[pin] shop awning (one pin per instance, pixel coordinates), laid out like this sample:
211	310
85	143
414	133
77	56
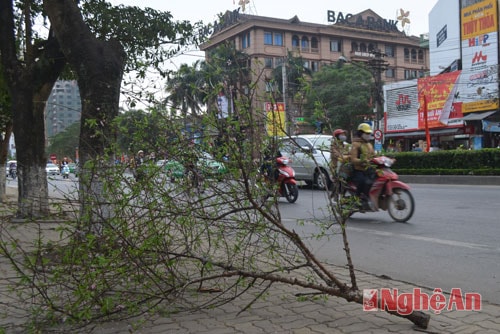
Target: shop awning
422	133
477	116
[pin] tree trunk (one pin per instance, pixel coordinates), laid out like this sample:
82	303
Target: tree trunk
99	66
4	150
30	81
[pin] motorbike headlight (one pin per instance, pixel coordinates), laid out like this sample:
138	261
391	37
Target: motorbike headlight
388	162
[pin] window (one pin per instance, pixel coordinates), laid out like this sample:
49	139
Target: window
273	38
314	66
335	45
304	43
278	62
413	55
354	46
295	42
407	54
371	47
410	74
420	56
390	73
269	86
268	62
306	64
245	40
314	45
268	38
389	51
362	47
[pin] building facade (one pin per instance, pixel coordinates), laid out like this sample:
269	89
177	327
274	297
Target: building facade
349	37
63	107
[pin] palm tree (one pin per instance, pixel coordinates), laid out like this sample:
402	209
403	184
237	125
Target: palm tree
185	90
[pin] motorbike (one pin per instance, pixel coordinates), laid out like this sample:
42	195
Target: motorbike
387	192
65	172
13	173
285	179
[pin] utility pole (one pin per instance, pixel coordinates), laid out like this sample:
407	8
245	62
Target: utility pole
284	79
377	65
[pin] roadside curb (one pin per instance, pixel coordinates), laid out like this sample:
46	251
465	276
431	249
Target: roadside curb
486	180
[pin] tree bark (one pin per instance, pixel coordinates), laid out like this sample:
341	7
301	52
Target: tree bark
99	66
30	80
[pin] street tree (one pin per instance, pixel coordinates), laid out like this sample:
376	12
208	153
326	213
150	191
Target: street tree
185	89
31	65
66	142
149	37
339	96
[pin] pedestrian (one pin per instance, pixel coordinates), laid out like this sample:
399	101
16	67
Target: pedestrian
360	156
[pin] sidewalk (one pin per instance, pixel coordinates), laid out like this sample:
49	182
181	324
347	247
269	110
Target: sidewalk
281	313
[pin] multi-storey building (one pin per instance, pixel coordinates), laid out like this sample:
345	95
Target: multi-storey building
348	37
63	107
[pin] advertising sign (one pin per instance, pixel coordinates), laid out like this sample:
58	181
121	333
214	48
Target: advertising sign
440	93
276	118
401	107
479	35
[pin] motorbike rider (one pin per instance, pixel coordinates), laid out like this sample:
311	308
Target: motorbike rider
360	155
136	164
339	149
268	166
13	170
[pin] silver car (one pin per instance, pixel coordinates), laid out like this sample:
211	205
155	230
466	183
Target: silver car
310	156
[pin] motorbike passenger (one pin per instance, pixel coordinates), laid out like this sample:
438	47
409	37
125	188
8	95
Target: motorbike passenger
339	150
360	155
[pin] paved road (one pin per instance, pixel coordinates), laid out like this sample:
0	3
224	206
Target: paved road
451	241
282	313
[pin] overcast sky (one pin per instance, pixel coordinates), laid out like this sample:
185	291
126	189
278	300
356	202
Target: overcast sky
314	11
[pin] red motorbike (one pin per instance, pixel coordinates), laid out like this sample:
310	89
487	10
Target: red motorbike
386	193
284	178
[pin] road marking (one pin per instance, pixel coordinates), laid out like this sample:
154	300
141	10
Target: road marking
428	239
414	237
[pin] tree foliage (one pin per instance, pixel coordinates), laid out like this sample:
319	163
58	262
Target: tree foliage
66	142
340	96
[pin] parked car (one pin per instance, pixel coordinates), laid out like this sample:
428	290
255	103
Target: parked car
310	155
52	169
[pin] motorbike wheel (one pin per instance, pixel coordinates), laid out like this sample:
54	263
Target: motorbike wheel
401	205
291	192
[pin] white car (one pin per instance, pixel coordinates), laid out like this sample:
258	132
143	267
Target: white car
52	169
310	155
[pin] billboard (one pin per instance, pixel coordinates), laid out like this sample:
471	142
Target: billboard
478	86
444	35
276	118
401	105
440	93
